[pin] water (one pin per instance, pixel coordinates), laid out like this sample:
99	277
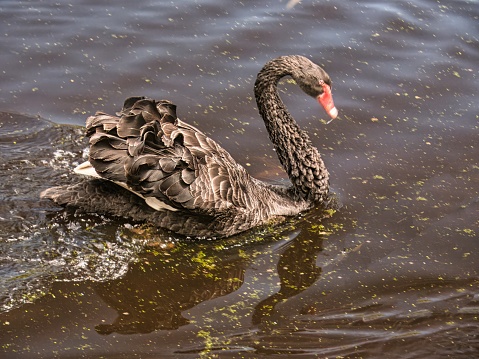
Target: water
393	273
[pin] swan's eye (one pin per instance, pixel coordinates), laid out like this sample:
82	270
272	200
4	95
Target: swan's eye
327	82
324	86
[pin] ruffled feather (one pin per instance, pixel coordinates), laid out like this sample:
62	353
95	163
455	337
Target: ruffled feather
154	154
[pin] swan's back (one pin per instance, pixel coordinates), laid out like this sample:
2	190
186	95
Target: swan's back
150	151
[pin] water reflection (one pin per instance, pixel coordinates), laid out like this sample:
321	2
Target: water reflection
163	284
297	271
156	290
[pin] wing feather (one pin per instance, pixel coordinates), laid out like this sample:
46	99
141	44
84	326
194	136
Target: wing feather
156	155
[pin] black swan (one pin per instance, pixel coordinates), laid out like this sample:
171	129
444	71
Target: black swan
190	184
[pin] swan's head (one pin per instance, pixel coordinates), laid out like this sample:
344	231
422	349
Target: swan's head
315	82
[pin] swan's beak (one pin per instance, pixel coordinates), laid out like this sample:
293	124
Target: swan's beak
326	100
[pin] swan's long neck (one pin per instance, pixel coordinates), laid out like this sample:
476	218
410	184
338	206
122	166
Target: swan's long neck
298	156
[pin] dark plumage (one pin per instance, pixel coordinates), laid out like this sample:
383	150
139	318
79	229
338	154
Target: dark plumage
191	184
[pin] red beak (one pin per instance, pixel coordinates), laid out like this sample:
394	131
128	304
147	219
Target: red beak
326	100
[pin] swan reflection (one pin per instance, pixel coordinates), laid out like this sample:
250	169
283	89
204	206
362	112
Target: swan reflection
158	288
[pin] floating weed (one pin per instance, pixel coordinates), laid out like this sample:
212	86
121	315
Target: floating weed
206	335
206	262
324	230
329	212
320	229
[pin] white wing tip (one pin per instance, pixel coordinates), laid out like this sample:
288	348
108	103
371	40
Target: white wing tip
86	169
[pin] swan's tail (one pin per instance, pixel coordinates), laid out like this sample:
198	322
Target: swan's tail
61	195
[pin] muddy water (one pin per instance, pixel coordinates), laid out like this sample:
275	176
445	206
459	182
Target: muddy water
393	273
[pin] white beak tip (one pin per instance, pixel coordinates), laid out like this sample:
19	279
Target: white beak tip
333	113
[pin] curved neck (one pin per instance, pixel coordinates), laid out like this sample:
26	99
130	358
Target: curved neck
300	159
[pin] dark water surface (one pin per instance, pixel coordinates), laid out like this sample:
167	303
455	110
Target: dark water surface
393	274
